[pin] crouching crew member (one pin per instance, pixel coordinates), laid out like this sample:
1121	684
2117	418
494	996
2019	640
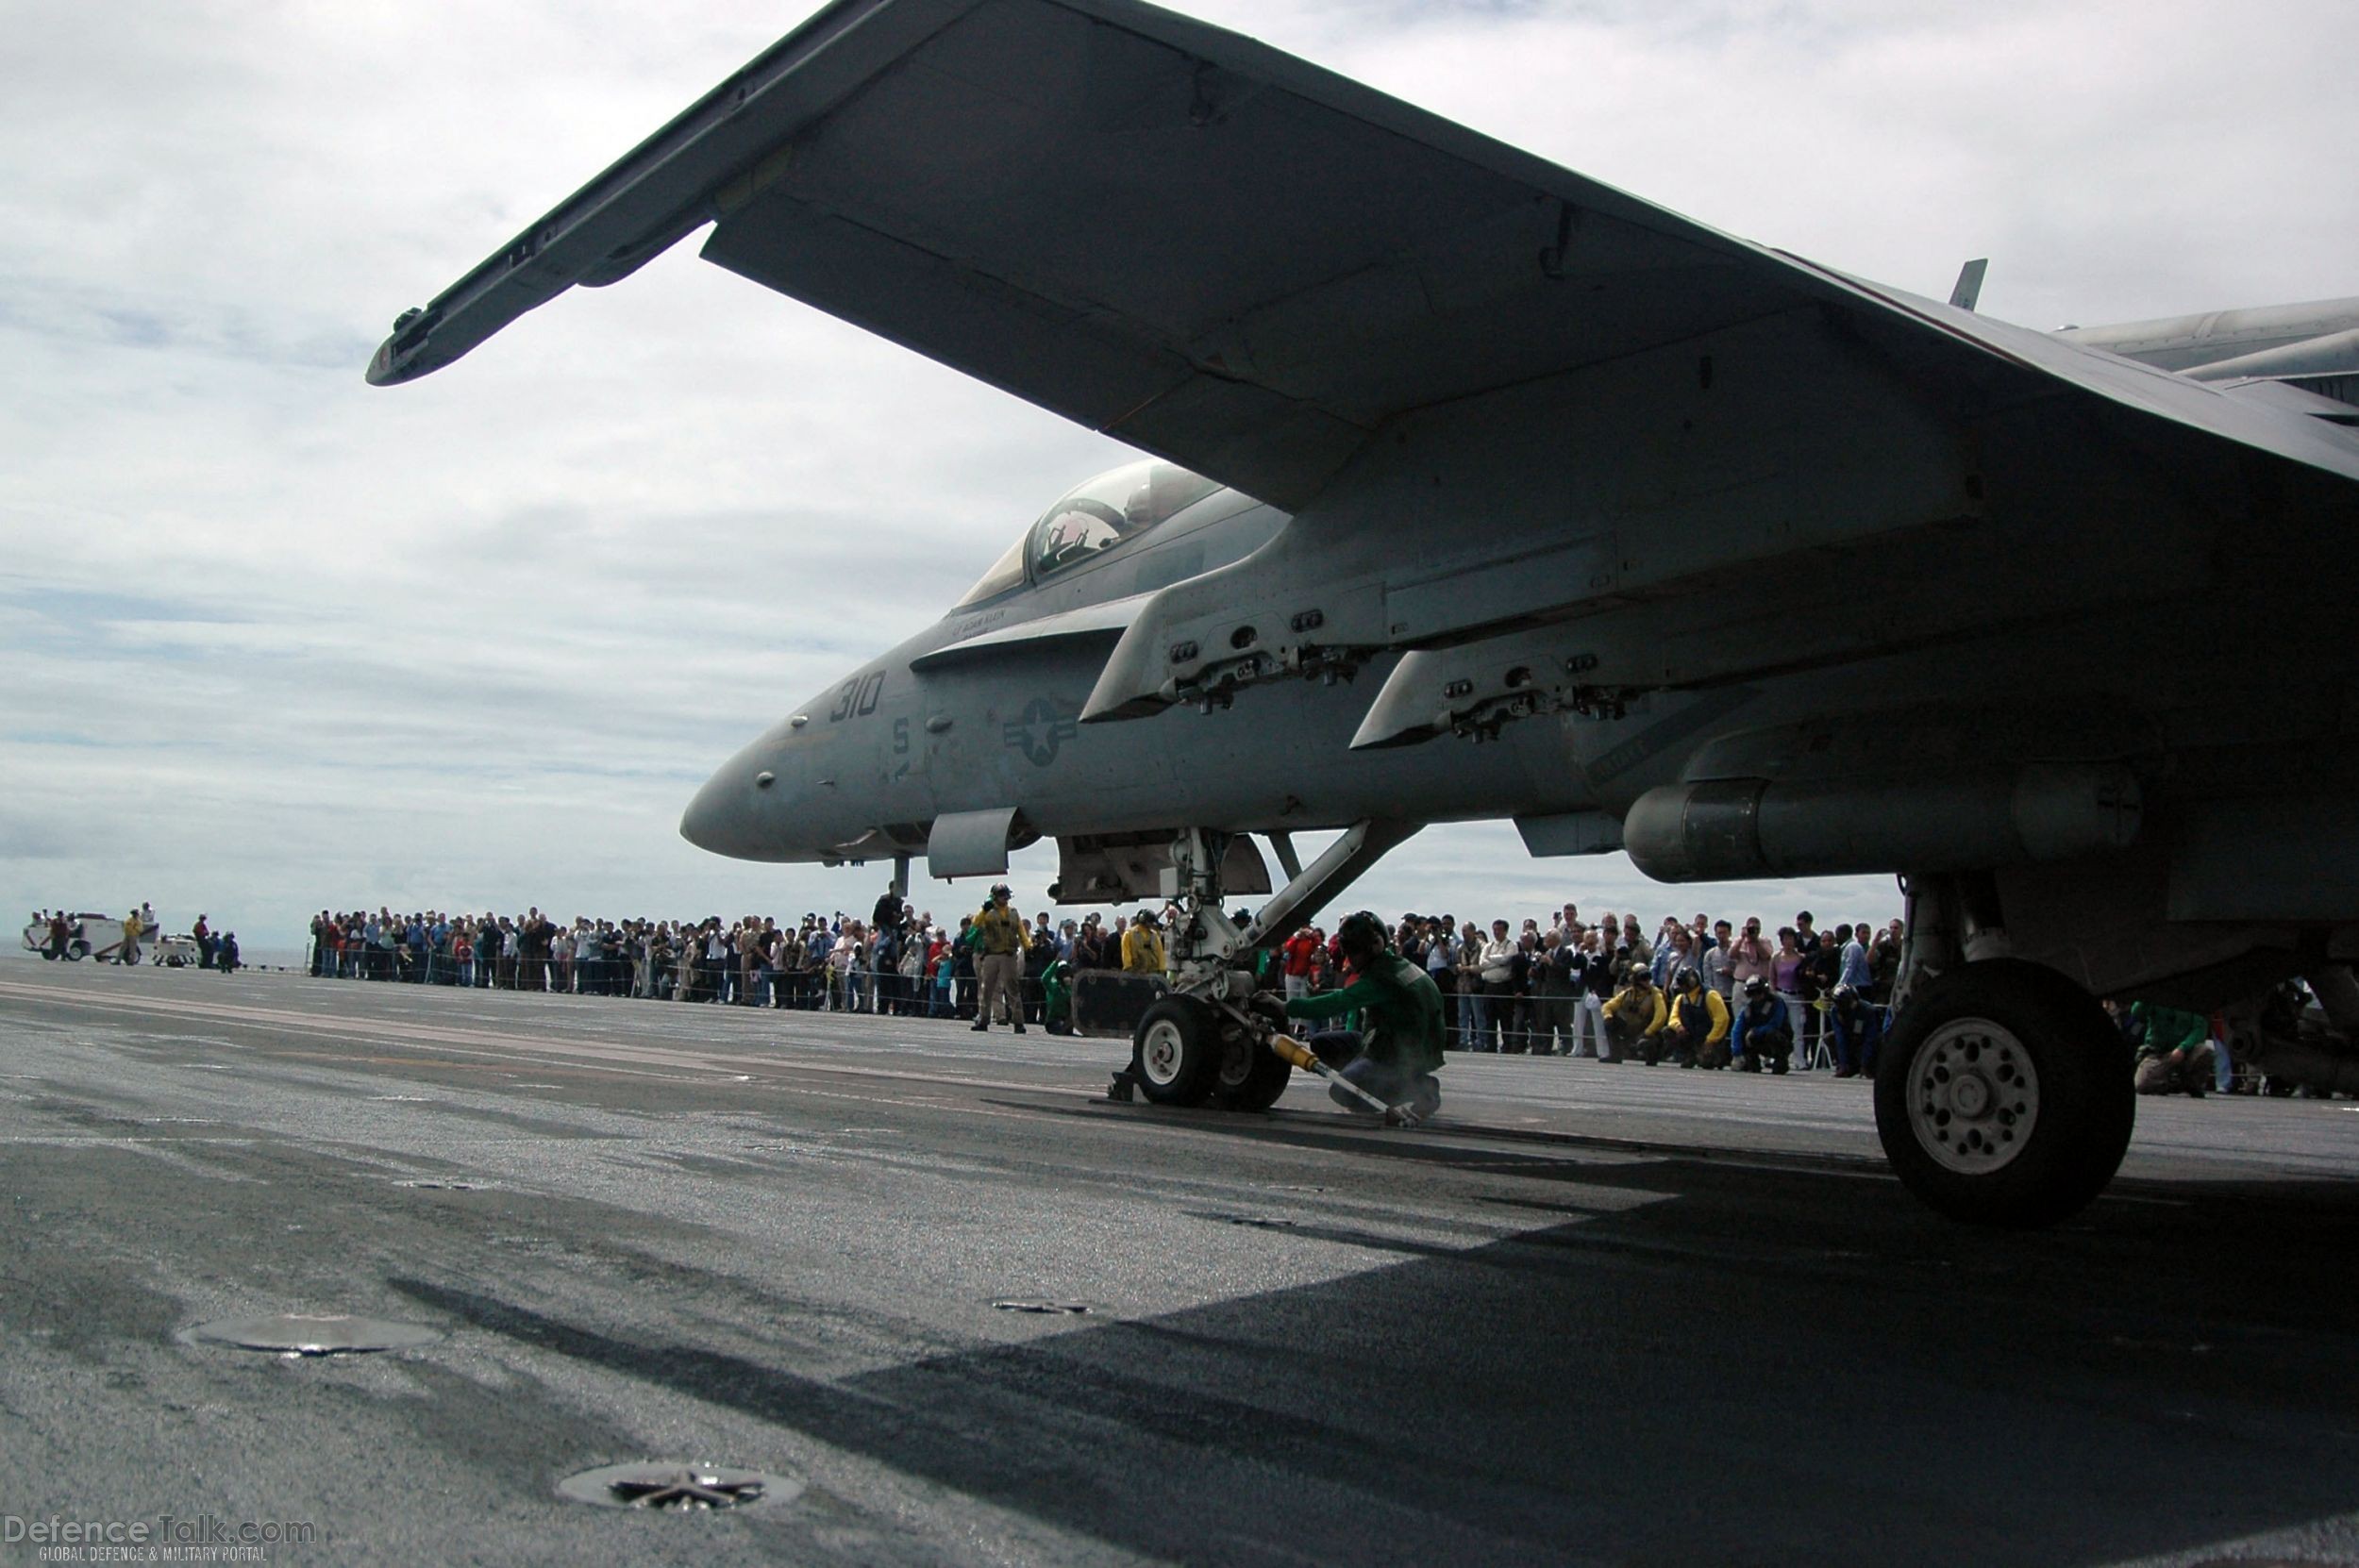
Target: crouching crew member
2175	1056
1634	1018
1856	1027
1056	991
1763	1032
1397	1048
1698	1027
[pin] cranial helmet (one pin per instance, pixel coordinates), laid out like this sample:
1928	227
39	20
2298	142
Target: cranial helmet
1756	987
1362	933
1686	979
1845	994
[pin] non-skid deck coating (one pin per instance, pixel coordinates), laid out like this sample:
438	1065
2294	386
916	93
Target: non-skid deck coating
1595	1315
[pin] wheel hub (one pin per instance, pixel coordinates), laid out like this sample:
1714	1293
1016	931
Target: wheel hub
1236	1061
1160	1051
1973	1095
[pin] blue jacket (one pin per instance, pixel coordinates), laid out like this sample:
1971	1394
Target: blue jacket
1861	1033
1747	1024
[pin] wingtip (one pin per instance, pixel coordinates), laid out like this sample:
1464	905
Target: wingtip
382	371
401	357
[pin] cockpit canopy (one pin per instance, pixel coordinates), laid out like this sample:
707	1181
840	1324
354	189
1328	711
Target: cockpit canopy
1090	518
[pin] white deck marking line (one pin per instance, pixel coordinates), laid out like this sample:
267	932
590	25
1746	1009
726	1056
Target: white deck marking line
598	1051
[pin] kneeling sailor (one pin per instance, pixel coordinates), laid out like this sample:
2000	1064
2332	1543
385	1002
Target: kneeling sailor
1397	1048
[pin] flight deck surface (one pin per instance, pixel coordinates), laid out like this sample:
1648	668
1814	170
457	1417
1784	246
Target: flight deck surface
1594	1314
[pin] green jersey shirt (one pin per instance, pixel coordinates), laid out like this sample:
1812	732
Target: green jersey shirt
1401	1011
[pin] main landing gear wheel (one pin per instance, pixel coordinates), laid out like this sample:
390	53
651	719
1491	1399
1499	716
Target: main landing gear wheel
2003	1096
1251	1074
1175	1052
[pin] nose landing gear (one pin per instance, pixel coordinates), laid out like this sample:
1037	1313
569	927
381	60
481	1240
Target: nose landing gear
1201	1042
1187	1051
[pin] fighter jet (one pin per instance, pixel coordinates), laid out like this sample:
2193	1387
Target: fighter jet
1481	488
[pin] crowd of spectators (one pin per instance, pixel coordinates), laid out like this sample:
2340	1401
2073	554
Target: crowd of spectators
900	960
1703	993
1552	986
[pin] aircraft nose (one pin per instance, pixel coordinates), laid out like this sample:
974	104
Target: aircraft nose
725	815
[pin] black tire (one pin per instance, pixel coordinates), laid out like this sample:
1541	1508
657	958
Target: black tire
2003	1095
1251	1076
77	951
1176	1051
50	955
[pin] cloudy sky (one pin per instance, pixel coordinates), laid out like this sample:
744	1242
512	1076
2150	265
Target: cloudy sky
276	640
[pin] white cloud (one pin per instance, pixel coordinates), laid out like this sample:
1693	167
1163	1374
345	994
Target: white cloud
277	638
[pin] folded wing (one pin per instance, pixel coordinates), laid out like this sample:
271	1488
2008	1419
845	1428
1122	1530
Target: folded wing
1162	230
1212	250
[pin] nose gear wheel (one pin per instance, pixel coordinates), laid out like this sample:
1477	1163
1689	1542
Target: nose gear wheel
1252	1077
1176	1053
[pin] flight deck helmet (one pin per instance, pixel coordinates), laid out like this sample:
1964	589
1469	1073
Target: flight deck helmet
1362	937
1756	988
1844	996
1686	977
